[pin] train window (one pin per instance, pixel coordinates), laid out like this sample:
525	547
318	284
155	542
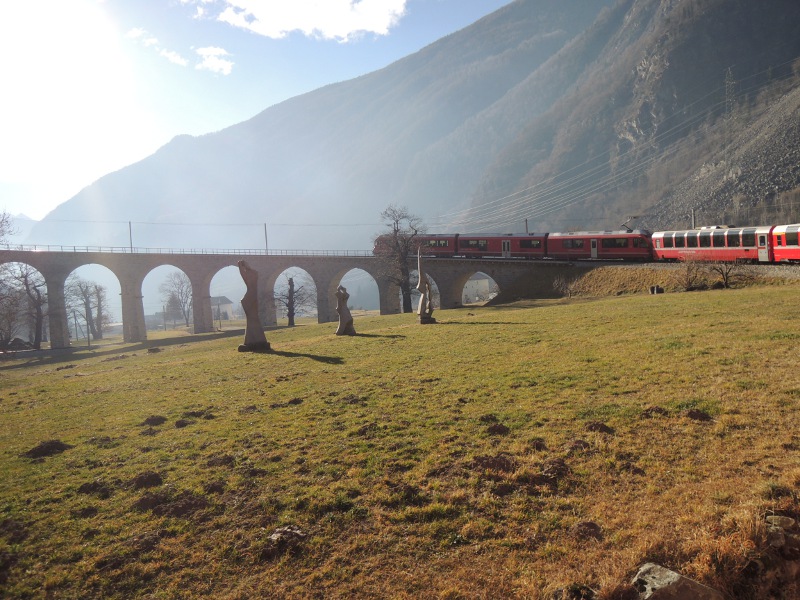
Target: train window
530	243
780	240
719	239
639	243
705	239
679	241
614	242
573	243
437	243
668	241
791	238
749	239
475	244
691	240
733	238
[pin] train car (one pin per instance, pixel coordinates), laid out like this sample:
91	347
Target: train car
601	245
784	243
506	245
716	243
438	244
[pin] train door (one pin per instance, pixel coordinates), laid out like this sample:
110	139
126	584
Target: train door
506	248
594	248
763	250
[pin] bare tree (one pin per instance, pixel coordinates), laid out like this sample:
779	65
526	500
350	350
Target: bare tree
396	246
173	309
725	270
566	286
296	294
178	286
31	282
88	298
689	276
12	301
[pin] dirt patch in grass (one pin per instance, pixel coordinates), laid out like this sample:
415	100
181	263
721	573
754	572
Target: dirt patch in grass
48	448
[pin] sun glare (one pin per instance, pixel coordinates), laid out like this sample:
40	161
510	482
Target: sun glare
71	113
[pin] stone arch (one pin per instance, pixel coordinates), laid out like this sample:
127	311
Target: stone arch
157	316
479	288
227	284
91	273
362	287
307	293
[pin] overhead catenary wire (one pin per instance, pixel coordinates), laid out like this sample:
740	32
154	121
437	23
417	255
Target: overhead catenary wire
558	192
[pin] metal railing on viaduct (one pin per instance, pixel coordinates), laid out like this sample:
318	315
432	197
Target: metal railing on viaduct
326	268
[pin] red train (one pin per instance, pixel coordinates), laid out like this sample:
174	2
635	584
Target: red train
765	244
601	245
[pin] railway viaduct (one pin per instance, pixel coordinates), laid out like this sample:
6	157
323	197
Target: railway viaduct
515	278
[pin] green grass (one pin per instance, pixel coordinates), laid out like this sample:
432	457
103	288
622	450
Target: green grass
449	460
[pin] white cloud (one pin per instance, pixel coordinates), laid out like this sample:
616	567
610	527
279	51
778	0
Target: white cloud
135	33
174	57
340	20
148	41
213	59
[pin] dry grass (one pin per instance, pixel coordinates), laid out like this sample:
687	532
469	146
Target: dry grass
504	452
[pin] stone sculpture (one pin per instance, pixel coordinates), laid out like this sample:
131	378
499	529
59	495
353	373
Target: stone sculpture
345	318
254	338
425	308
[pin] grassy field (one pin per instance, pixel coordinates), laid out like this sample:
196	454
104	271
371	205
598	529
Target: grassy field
504	452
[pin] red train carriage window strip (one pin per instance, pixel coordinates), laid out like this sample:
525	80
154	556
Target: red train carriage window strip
475	244
614	242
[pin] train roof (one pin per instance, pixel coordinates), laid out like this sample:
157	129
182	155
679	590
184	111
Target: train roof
709	230
792	227
505	235
598	233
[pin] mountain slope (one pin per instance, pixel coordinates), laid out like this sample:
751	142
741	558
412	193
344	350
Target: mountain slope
657	87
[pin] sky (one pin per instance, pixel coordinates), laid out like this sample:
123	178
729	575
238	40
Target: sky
88	87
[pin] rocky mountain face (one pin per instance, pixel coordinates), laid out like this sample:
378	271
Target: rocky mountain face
569	113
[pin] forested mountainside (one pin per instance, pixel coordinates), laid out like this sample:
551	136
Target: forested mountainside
573	114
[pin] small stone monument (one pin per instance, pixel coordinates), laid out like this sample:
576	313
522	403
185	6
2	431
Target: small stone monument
345	318
254	338
425	308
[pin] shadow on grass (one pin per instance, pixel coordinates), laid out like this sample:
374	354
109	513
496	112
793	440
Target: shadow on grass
28	358
480	323
329	360
376	335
